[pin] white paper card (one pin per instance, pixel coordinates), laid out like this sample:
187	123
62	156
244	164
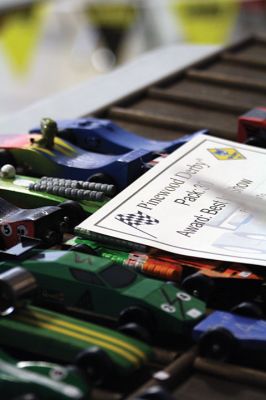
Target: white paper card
207	199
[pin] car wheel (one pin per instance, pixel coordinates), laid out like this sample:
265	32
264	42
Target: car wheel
16	285
248	309
6	158
198	285
256	141
96	363
2	243
218	344
155	393
74	212
139	316
136	331
7	298
83	248
52	237
101	178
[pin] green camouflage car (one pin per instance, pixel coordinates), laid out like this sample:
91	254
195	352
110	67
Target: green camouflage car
96	285
45	380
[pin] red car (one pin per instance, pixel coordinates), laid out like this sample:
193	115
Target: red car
45	223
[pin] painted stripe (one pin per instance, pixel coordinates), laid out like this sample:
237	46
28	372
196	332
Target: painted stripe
62	143
62	150
87	331
37	149
57	148
83	338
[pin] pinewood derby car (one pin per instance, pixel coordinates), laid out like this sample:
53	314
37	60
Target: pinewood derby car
252	127
36	155
104	136
100	352
94	285
229	336
43	380
47	223
58	337
209	280
27	191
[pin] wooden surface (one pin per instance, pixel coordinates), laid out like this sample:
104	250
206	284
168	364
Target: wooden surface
203	386
94	95
211	95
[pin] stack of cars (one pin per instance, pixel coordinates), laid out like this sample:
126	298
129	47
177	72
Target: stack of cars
95	313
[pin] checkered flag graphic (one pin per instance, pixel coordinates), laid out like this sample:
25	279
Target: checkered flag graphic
137	219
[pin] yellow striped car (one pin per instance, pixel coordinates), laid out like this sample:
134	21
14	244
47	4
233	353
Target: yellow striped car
64	338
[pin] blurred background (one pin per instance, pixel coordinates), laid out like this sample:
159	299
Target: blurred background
50	45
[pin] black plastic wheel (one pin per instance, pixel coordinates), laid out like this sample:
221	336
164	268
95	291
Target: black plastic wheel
96	363
52	237
74	212
2	243
137	315
7	299
101	178
83	248
6	158
136	331
16	285
256	141
155	393
198	285
248	309
218	344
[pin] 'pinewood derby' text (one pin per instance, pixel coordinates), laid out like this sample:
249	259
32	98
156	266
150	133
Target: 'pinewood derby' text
176	182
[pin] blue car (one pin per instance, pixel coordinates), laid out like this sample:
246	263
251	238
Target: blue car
106	137
54	156
228	336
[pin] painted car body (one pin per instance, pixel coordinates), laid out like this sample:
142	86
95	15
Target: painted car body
183	267
47	223
43	379
60	337
252	127
250	333
104	136
99	286
65	160
16	190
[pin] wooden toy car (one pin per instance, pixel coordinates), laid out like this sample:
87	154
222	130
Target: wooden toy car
97	286
45	380
98	350
252	127
228	336
67	339
104	136
47	223
64	160
210	280
217	282
26	191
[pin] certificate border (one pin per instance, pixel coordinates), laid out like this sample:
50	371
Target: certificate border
253	149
